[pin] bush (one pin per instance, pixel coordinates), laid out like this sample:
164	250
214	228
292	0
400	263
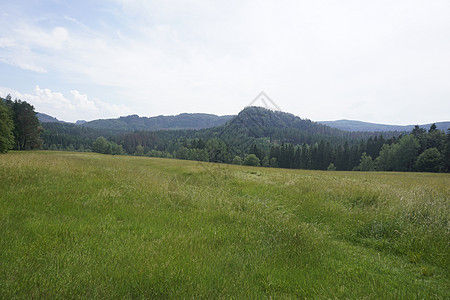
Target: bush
252	160
237	160
331	167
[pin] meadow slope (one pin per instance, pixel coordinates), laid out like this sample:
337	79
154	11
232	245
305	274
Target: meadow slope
82	225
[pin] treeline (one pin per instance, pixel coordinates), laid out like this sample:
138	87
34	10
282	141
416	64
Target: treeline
420	151
235	143
423	151
71	137
256	137
19	127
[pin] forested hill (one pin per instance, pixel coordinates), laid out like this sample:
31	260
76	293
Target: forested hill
181	121
351	125
280	127
258	121
44	118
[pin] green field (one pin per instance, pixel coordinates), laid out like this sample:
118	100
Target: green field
80	225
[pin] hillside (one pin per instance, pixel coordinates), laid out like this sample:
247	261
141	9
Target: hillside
83	225
44	118
181	121
257	122
351	125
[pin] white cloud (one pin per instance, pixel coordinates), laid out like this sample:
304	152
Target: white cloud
75	107
315	59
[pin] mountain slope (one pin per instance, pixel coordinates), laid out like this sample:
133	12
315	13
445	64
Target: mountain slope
181	121
259	122
259	125
351	125
44	118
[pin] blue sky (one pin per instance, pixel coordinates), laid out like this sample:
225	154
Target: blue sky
378	61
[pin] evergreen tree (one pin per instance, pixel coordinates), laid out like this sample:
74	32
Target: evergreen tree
354	157
331	167
265	162
6	128
275	153
314	157
297	158
446	159
433	127
217	151
366	163
273	162
26	125
304	157
140	151
346	158
327	155
258	152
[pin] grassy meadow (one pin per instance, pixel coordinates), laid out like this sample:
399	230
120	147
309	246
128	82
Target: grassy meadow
83	225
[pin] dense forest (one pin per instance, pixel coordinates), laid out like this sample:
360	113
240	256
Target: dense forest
136	123
19	127
256	136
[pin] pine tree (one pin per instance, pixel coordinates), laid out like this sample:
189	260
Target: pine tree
26	125
6	128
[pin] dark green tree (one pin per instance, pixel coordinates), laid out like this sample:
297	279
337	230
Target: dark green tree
257	151
265	162
26	125
140	151
429	161
407	153
101	145
304	157
331	167
6	128
116	149
297	158
433	127
366	163
384	161
217	151
446	152
273	162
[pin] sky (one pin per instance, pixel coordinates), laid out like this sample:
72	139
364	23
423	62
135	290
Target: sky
376	61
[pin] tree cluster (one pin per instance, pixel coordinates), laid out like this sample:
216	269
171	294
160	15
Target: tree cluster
19	127
420	151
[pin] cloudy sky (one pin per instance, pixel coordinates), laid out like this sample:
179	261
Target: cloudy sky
377	61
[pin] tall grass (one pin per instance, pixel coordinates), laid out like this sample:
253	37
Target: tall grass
80	225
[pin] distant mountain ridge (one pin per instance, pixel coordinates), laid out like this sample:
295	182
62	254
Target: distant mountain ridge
203	120
352	125
44	118
181	121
